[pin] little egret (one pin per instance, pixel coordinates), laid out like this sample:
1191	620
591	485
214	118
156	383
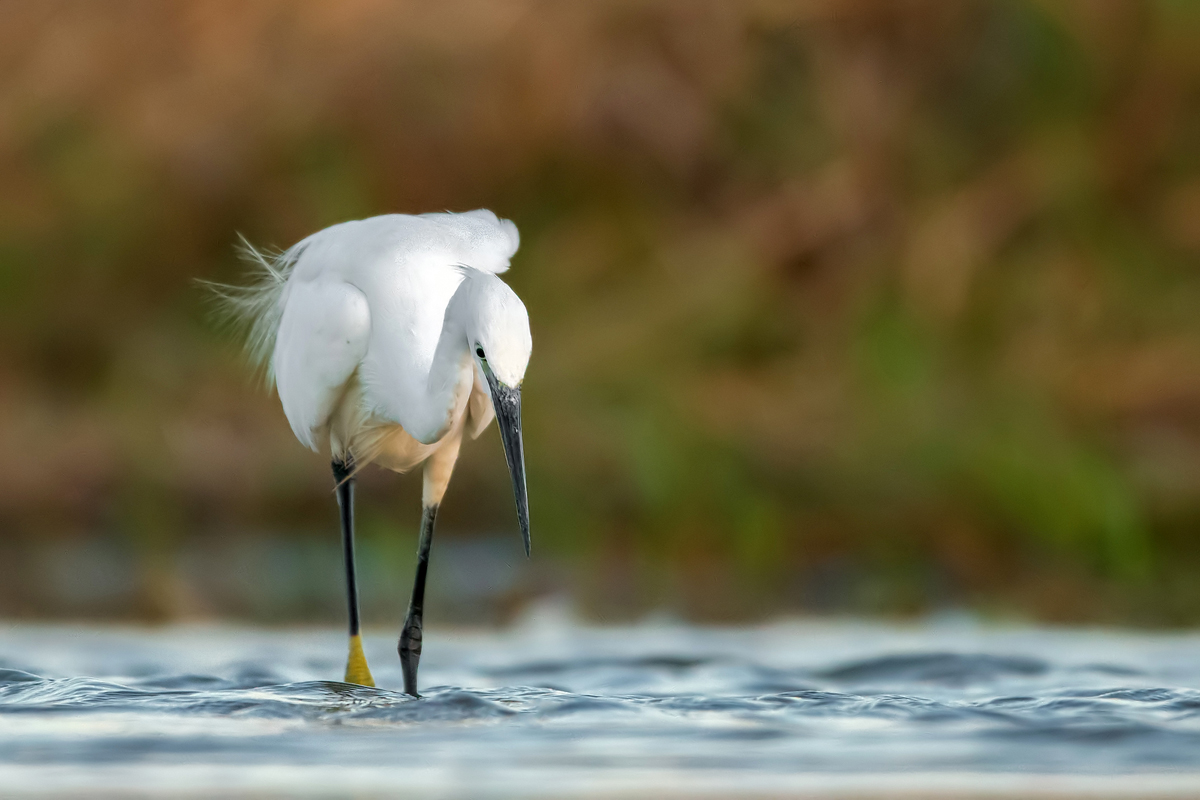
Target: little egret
388	338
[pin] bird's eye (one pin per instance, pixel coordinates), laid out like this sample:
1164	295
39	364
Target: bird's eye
479	351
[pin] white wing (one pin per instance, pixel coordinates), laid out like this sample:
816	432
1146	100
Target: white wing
322	338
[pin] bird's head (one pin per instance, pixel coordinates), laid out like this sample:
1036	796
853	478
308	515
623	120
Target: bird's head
497	329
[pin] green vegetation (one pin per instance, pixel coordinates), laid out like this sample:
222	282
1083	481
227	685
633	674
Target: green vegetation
860	307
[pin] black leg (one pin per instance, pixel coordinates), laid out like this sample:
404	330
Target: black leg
356	666
410	636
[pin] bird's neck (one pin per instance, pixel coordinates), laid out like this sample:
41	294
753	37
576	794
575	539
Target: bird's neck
450	368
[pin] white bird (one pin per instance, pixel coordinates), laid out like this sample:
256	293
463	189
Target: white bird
388	338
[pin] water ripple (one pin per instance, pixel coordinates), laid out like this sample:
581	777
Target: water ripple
760	706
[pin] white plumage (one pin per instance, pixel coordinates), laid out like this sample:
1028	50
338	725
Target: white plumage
388	339
352	317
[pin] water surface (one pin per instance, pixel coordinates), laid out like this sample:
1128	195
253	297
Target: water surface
554	709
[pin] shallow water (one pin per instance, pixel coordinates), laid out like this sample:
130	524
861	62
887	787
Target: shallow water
554	709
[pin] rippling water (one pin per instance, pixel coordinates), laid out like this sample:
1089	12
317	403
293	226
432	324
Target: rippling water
553	709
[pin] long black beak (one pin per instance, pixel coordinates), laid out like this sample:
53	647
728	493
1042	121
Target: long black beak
507	402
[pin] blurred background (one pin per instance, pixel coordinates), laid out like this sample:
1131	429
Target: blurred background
838	307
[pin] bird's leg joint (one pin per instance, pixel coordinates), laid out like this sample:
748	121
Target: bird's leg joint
410	651
410	639
343	469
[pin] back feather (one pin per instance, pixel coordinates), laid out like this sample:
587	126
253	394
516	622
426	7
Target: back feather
488	241
257	306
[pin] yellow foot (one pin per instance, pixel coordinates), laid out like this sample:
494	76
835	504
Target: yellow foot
357	670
